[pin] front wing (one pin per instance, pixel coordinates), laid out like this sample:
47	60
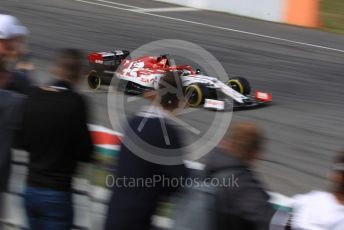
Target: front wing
225	102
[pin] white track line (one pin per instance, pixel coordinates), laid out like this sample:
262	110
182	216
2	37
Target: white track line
211	26
167	9
119	4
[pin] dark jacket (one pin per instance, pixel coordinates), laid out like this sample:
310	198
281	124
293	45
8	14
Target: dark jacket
132	208
243	205
10	107
20	82
55	133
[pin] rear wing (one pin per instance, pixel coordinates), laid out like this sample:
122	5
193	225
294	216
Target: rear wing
95	58
107	58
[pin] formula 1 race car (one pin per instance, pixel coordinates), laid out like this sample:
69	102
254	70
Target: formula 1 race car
143	73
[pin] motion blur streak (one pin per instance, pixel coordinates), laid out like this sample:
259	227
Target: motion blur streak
215	27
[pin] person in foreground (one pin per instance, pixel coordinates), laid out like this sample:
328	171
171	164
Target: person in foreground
132	207
55	133
244	205
319	210
10	111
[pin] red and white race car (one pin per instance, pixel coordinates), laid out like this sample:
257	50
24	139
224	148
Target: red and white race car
143	73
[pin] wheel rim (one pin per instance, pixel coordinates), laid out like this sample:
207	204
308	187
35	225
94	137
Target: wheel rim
195	95
236	85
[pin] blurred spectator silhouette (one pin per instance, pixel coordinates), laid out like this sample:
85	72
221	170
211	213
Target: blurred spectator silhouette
10	106
319	210
131	208
11	38
55	133
244	206
14	53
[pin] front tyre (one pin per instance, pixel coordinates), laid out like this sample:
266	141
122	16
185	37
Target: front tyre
194	95
240	84
94	80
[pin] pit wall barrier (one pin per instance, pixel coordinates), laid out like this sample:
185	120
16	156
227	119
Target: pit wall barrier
296	12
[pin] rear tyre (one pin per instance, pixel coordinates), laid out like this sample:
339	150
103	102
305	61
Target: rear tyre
194	94
240	84
94	80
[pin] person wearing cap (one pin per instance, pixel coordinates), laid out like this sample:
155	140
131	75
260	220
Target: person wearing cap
13	52
10	106
12	34
320	210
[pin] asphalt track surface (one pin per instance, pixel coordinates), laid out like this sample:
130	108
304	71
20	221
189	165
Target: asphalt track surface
303	68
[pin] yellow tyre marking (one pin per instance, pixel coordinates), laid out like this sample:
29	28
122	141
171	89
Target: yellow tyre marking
199	93
241	87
